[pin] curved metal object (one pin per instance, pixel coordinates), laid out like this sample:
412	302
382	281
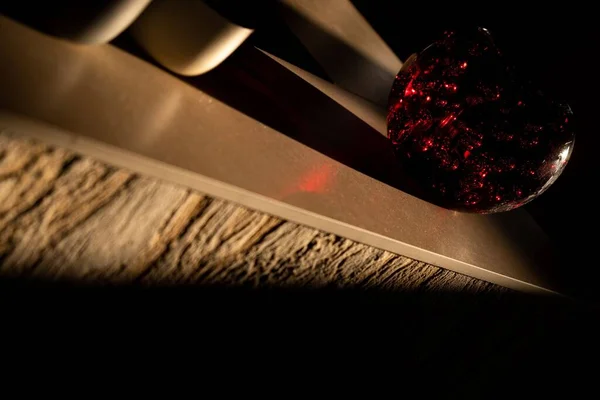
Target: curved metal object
346	45
87	22
112	106
187	37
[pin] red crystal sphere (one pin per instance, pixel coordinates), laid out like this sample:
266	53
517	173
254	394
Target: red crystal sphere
475	135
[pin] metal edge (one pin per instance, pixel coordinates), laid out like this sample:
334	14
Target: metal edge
19	126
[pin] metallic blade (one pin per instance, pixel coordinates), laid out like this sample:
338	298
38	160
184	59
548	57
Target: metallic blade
110	105
373	114
346	46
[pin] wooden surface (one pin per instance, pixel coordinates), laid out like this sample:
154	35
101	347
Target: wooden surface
71	218
137	117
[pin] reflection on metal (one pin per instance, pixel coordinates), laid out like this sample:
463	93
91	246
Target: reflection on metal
113	20
345	45
187	37
372	114
88	22
208	146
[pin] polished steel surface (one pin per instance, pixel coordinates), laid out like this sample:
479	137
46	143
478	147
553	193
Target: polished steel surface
87	22
187	37
111	21
108	104
372	114
361	63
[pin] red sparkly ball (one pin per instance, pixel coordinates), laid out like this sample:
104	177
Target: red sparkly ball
474	134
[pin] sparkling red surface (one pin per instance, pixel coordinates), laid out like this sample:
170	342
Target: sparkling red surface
474	134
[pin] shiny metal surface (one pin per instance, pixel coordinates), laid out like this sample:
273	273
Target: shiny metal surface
345	45
187	37
372	114
113	20
110	105
87	22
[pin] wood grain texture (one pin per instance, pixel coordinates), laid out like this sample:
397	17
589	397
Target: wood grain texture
65	217
162	255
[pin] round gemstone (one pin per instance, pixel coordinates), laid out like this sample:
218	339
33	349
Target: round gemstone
471	131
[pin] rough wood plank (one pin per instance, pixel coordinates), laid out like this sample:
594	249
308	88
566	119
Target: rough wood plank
64	217
68	218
